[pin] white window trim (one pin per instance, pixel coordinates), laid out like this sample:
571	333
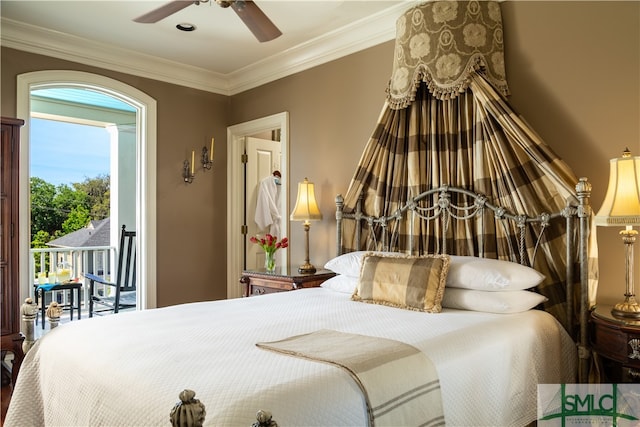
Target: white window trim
146	139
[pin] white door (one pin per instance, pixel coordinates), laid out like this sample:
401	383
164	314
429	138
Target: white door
236	200
263	158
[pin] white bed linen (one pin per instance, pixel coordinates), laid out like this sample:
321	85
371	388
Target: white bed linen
128	369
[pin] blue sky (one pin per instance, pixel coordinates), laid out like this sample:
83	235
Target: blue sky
64	153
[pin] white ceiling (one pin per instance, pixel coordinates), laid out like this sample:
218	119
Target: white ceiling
221	56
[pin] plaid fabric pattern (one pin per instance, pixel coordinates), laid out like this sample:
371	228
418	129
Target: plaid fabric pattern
414	283
477	142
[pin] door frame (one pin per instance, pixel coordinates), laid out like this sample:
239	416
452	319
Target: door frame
146	141
235	188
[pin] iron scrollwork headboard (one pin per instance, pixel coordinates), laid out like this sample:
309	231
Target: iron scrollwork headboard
445	210
440	207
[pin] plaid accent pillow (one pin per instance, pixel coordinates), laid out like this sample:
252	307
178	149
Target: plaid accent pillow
410	282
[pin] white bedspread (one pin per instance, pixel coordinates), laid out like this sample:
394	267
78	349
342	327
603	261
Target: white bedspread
128	369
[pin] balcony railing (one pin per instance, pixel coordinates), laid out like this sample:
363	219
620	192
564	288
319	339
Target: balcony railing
96	260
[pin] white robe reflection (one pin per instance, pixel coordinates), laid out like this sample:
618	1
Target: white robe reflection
267	213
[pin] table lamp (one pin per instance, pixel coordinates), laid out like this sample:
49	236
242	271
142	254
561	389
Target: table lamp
621	207
306	209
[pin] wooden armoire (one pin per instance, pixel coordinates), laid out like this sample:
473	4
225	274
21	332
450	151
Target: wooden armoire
9	279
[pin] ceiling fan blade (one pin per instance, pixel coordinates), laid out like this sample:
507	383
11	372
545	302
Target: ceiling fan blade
255	19
163	11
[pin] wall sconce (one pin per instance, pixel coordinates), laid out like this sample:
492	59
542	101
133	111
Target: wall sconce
306	210
621	207
207	156
188	172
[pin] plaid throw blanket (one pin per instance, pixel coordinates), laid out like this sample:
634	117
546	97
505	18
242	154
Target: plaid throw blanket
399	383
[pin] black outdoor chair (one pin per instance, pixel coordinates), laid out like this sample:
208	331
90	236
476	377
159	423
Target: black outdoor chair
123	290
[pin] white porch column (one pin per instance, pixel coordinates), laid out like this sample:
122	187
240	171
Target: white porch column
123	179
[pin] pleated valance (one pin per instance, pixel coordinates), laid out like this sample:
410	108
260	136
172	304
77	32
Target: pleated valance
442	43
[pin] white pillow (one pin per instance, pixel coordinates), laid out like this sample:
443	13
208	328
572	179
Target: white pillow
466	272
347	264
350	263
341	283
486	274
491	302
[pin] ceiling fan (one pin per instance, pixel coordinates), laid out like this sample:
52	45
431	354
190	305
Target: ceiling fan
249	12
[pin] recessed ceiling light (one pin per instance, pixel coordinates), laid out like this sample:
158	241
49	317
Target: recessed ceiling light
186	27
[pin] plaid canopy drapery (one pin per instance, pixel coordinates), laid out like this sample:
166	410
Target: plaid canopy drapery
466	137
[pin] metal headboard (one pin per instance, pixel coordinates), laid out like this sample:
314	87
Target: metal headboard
575	214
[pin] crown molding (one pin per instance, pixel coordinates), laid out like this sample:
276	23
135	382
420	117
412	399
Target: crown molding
359	35
33	39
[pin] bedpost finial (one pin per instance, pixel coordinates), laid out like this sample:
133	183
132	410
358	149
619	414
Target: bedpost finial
264	419
583	186
54	311
583	191
29	309
189	411
339	206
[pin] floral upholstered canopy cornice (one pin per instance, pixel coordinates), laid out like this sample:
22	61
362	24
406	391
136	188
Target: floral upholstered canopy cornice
442	43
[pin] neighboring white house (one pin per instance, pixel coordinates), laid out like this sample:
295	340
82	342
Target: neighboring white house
95	234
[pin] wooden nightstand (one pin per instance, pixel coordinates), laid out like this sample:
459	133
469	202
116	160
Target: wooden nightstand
617	341
260	282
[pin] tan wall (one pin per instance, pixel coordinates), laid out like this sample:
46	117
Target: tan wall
574	73
333	110
190	218
573	69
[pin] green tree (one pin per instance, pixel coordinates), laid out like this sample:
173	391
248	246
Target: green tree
78	218
43	214
40	240
98	195
67	198
56	211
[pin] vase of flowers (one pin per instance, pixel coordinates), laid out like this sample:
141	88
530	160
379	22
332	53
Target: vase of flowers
270	245
270	261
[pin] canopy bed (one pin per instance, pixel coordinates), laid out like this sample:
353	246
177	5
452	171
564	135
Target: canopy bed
487	354
463	250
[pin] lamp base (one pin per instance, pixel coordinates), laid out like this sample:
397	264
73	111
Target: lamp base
629	308
306	268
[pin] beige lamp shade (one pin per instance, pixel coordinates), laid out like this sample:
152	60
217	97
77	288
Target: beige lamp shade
306	208
621	206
